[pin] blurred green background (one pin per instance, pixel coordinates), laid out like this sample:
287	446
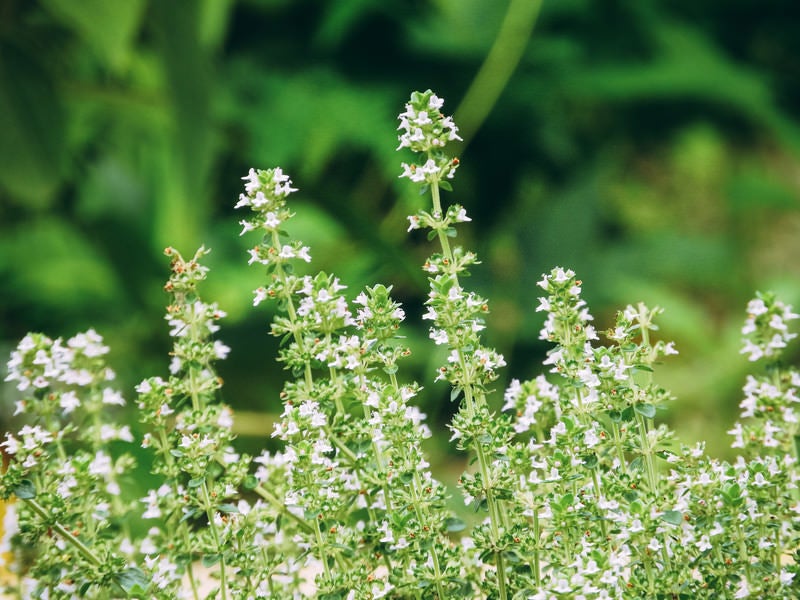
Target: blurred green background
652	146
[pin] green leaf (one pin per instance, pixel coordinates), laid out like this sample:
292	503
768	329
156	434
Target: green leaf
590	461
196	482
132	580
432	235
646	410
346	551
445	185
673	517
108	28
209	560
25	490
228	508
32	123
188	514
453	524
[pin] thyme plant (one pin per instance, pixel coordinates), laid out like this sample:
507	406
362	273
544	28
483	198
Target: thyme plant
580	491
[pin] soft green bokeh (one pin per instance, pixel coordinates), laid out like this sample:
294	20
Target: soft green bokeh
652	146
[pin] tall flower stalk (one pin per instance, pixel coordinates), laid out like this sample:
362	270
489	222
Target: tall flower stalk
350	432
457	316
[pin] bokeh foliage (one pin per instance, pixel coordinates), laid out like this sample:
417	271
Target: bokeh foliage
652	146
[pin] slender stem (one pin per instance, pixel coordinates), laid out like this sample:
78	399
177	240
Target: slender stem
193	388
597	491
618	443
66	535
337	398
537	575
266	495
189	568
472	403
499	65
223	583
321	548
437	569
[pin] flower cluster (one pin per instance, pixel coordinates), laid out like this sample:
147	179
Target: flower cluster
425	130
64	469
458	319
191	436
668	522
766	328
579	490
353	467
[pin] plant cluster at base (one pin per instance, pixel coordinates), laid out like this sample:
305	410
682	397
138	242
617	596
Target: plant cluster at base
580	491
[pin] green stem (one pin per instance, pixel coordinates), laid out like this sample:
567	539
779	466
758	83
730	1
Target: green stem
618	444
193	389
472	402
499	65
266	495
437	569
337	397
223	583
67	536
189	570
537	574
321	548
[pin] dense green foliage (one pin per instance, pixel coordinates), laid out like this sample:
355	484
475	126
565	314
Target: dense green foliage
651	146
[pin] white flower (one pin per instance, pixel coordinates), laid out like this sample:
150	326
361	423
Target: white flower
259	295
461	216
69	401
252	182
304	253
704	543
246	226
743	590
590	438
113	397
271	220
221	350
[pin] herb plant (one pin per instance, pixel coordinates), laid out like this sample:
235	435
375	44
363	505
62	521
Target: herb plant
580	491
